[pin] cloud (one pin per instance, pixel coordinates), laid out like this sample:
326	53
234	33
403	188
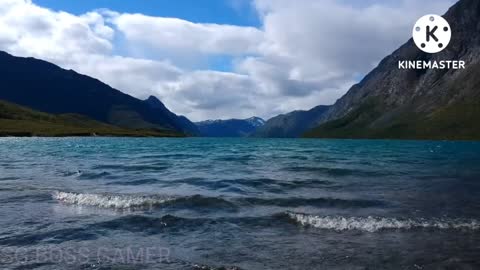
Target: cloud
211	93
179	35
40	32
315	45
305	53
138	77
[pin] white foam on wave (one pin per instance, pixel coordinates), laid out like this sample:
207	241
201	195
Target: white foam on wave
373	224
109	200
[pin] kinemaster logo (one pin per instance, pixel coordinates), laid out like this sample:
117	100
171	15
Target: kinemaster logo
432	34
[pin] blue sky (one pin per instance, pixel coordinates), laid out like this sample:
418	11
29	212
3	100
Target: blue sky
236	12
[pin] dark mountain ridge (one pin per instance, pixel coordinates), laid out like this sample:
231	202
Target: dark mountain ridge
46	87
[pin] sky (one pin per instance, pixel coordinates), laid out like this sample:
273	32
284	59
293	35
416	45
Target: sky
216	59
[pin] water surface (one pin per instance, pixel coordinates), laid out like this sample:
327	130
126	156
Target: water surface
195	203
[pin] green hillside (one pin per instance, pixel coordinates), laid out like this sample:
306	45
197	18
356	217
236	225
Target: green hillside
455	122
16	120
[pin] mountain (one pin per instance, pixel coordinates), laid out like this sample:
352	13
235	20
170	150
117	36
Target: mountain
17	120
416	104
292	124
48	88
181	122
230	127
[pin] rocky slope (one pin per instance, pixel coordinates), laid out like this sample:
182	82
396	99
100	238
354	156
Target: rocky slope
416	104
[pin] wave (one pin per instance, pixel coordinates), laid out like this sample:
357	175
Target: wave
110	200
373	224
123	201
71	173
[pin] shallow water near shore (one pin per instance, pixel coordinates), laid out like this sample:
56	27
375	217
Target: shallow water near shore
201	203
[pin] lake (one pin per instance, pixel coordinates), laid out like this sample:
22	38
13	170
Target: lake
208	203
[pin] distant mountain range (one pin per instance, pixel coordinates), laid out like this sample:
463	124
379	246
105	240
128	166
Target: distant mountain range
405	104
291	125
45	87
230	127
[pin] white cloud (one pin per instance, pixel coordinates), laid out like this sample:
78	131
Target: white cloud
138	77
180	35
315	45
305	53
40	32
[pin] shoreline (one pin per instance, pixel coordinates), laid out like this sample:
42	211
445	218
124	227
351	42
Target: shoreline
88	135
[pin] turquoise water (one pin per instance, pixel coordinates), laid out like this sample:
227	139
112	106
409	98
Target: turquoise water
197	203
